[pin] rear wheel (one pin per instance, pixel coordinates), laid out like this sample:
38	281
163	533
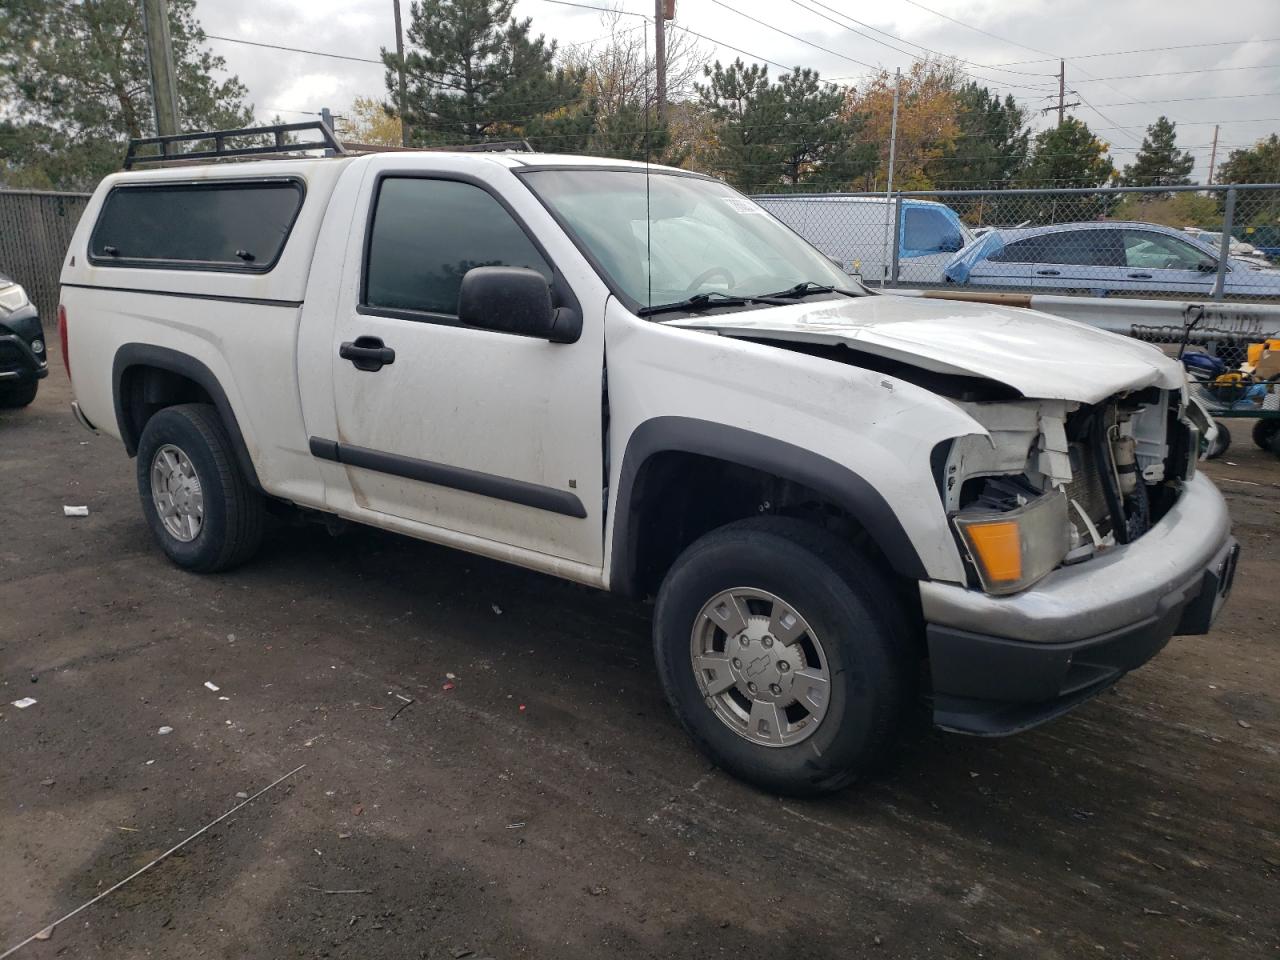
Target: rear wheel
200	507
1266	434
14	395
783	654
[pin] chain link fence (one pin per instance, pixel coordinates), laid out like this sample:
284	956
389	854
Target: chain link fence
1218	243
35	231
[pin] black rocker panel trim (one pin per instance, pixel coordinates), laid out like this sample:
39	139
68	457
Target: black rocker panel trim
456	478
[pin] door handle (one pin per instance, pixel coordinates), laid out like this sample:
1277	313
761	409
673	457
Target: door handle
1139	276
367	353
1048	273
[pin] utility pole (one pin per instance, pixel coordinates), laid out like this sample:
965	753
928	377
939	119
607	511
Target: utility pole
891	231
660	19
1062	95
1213	154
164	82
400	101
1062	90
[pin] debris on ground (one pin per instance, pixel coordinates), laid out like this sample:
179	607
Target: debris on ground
357	809
522	708
448	685
407	702
241	795
1245	723
45	934
48	783
597	891
25	702
164	730
497	609
459	952
74	511
209	684
451	676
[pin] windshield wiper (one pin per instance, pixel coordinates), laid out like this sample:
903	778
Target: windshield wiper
807	287
703	301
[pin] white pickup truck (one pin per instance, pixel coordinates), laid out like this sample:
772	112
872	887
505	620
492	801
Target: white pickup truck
635	378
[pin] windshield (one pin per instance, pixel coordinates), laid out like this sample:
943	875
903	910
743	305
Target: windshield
664	238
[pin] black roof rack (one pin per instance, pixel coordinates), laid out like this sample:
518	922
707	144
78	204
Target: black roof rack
280	146
221	149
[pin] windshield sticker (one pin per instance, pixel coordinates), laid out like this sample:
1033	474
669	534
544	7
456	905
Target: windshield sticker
743	205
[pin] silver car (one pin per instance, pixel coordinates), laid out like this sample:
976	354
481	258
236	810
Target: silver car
1112	258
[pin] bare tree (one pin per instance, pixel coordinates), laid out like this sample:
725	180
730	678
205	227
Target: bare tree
620	69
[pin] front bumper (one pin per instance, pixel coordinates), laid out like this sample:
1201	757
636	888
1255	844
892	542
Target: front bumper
1003	664
18	362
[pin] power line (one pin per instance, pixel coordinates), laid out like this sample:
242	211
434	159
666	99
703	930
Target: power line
1125	53
906	53
1230	96
1180	73
276	46
816	46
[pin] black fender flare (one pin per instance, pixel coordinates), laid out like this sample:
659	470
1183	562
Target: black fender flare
162	358
732	444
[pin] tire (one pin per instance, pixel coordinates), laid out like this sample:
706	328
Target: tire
842	601
229	528
1221	443
1266	434
14	395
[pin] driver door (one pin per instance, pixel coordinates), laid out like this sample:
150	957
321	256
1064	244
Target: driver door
1158	262
485	433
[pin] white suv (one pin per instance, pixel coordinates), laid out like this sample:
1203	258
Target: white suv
635	378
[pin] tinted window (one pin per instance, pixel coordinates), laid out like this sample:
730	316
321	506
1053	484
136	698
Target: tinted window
1149	250
233	225
928	230
1083	248
428	233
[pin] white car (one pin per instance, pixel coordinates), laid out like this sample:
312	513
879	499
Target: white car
634	378
1237	249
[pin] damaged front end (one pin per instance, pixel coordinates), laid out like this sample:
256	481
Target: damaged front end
1054	483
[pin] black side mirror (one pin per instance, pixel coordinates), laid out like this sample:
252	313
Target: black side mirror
515	300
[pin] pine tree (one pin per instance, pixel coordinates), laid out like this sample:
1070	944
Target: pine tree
1068	155
784	135
989	152
75	82
1159	162
474	73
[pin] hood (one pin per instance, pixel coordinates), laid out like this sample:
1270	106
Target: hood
1038	355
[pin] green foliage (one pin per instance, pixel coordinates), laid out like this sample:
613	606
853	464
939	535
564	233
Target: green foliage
474	73
779	136
1173	210
1258	164
1159	162
74	76
1068	155
990	151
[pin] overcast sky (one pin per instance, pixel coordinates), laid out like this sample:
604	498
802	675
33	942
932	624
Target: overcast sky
1237	86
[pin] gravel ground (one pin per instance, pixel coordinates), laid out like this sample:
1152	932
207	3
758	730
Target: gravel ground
547	805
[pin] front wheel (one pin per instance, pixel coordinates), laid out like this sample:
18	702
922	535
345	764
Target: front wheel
783	654
199	505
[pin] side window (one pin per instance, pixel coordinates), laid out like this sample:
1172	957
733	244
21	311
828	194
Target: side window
1020	251
928	230
1083	248
427	233
1146	249
237	225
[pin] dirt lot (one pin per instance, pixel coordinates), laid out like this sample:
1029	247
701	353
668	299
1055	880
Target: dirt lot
547	805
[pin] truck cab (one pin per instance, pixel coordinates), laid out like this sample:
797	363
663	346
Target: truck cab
635	378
